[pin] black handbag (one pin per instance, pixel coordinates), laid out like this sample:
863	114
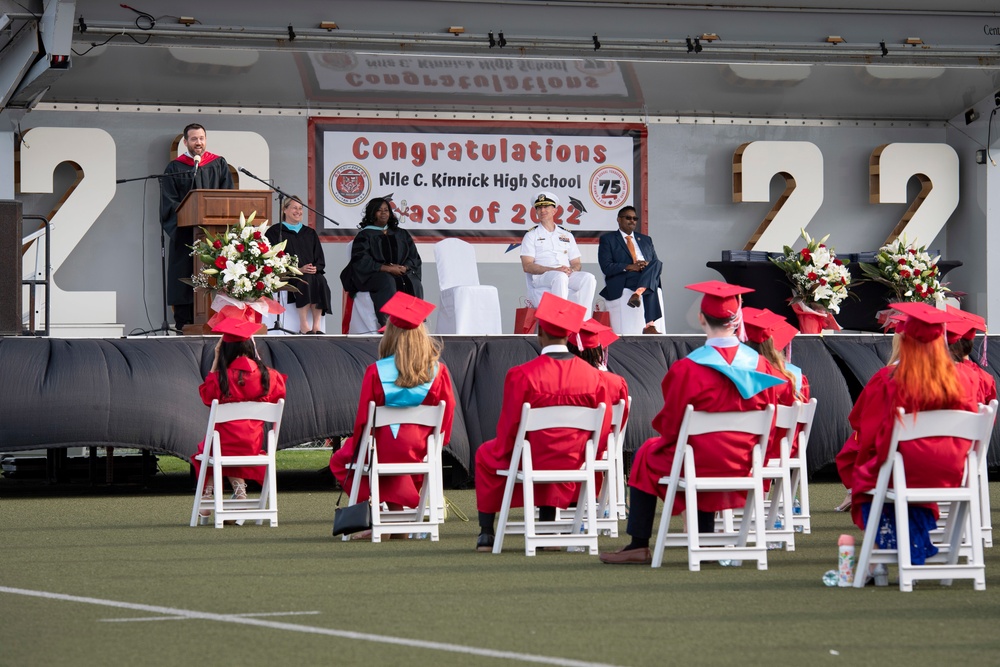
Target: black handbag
352	519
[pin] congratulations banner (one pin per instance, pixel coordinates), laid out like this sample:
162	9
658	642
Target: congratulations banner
474	181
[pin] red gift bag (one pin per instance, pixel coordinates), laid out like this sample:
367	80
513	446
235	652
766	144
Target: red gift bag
524	319
602	316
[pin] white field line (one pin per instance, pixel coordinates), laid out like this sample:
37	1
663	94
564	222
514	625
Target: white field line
344	634
185	618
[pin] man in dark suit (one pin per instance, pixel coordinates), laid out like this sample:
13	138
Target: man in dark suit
628	260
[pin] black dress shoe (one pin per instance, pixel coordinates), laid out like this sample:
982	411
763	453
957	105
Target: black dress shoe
635	301
485	543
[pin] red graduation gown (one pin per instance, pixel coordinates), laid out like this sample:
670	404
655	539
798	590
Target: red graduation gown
617	391
409	445
542	382
929	461
986	385
716	455
243	437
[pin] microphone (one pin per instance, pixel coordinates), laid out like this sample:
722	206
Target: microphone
197	161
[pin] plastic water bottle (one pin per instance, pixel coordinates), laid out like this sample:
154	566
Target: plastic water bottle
578	549
796	507
830	578
845	561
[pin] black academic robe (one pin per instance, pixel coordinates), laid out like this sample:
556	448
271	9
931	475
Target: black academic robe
178	180
304	244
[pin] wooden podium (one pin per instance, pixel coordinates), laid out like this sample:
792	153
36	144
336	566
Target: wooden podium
215	210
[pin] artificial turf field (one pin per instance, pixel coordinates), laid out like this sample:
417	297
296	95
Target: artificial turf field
126	582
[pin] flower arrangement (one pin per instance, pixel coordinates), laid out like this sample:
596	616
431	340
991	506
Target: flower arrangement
240	263
910	272
819	280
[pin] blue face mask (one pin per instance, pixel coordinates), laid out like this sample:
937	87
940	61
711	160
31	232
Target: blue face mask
294	228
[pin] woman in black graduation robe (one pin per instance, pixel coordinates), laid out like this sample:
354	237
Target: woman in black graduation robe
313	298
384	258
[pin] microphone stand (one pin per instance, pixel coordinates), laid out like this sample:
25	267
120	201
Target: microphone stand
164	327
279	320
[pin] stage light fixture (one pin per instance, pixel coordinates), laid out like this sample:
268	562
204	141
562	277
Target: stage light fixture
690	44
187	20
291	33
885	51
835	39
456	29
914	41
493	42
996	99
709	37
501	42
971	116
597	42
83	26
328	25
697	45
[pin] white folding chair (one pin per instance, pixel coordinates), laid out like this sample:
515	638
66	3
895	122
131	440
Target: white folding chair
983	450
726	545
798	464
431	503
964	517
611	501
466	306
265	507
523	470
288	321
626	320
779	527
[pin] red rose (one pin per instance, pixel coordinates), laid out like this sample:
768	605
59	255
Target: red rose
812	275
822	281
912	251
281	253
263	249
259	286
267	270
251	268
838	262
217	244
843	281
901	261
822	245
240	247
805	253
220	262
256	236
903	273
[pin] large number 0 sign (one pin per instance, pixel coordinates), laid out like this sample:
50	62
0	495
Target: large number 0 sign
891	167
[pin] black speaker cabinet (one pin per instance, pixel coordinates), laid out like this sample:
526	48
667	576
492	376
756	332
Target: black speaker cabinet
10	268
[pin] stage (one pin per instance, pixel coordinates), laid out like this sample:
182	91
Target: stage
143	392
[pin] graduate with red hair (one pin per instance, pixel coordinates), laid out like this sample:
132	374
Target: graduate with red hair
925	379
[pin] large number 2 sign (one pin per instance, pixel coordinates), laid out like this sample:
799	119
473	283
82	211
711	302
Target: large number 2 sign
92	154
800	163
890	169
935	166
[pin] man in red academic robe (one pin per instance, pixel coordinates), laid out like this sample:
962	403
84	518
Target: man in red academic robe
195	168
722	376
556	377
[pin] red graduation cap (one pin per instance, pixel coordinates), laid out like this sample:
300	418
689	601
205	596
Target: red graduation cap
783	334
763	324
721	300
923	322
966	328
559	317
406	311
234	323
594	334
